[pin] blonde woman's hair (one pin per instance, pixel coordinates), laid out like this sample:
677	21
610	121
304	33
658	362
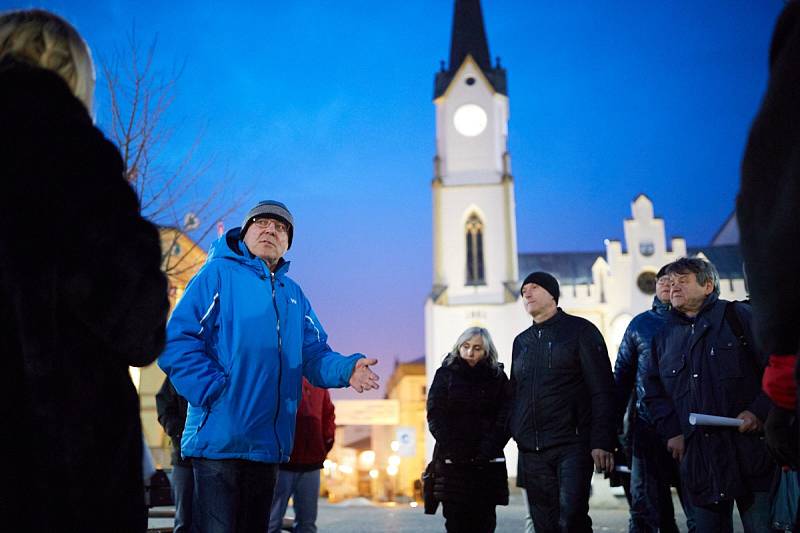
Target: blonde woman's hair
488	346
48	41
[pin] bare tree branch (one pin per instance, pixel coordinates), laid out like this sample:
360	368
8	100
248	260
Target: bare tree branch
140	99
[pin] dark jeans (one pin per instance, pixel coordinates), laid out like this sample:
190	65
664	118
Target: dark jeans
718	518
471	518
653	472
232	495
557	481
182	492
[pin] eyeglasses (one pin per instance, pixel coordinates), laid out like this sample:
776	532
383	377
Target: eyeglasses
264	223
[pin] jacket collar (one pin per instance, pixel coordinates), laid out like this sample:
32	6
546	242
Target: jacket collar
659	307
552	320
229	246
705	309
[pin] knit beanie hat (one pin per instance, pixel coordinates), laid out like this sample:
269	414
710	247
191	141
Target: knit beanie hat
269	209
545	281
662	271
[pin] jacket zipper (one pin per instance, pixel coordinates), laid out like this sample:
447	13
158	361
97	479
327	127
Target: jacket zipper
280	364
533	401
549	354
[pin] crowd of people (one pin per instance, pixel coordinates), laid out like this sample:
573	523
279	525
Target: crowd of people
247	359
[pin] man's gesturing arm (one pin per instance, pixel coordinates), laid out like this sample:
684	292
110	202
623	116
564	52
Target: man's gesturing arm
325	368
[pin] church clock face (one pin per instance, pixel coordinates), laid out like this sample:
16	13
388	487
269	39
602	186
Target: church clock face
470	120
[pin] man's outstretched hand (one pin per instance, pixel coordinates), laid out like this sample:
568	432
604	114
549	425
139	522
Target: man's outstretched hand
362	378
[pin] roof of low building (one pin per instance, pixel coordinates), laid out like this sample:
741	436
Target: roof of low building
570	268
575	268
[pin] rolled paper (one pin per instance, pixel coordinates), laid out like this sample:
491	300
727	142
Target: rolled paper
699	419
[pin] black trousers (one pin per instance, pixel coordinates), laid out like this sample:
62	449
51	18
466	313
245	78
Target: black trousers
557	481
469	518
653	473
232	495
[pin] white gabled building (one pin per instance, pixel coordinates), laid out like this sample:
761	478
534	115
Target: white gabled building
477	270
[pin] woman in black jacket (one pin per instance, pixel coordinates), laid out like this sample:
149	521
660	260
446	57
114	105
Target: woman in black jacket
468	405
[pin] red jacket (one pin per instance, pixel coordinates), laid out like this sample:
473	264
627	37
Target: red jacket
315	429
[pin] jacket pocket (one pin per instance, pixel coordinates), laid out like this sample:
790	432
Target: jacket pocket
727	360
754	459
519	365
673	376
563	356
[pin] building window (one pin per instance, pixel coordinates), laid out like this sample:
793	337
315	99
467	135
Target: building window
474	236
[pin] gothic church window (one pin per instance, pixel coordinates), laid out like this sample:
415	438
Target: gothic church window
474	236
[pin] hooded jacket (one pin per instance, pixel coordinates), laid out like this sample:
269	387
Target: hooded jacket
238	344
699	365
629	368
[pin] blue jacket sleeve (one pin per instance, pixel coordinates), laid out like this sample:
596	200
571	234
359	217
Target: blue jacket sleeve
659	404
321	365
625	368
188	358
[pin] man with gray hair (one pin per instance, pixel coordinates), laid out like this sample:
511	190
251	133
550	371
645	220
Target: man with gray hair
238	345
704	361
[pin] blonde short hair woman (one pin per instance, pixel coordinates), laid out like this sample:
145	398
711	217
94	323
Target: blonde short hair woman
46	40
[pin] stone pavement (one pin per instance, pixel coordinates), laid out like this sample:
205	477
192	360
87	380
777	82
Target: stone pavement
608	513
357	516
341	518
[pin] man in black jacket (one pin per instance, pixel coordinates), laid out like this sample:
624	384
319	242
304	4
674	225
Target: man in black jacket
703	361
172	409
563	409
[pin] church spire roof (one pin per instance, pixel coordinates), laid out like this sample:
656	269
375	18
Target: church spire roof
469	38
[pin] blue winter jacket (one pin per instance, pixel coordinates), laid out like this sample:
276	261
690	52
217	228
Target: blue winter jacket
238	343
629	369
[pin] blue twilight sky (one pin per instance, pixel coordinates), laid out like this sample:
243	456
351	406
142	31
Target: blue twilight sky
326	105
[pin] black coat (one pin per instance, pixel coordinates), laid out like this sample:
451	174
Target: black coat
82	297
767	205
171	408
629	374
563	387
698	365
467	415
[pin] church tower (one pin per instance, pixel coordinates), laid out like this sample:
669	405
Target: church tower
475	263
475	250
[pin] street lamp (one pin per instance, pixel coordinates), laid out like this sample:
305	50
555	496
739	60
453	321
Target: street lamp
366	459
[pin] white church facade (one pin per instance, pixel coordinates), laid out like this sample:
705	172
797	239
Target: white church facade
477	269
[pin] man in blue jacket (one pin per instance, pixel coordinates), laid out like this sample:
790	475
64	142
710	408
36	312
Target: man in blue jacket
653	470
704	361
238	344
